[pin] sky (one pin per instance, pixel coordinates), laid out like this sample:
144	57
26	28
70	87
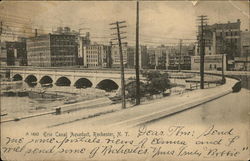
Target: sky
161	22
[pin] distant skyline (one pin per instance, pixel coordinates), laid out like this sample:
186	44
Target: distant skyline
161	22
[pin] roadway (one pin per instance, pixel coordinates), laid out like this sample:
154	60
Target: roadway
231	109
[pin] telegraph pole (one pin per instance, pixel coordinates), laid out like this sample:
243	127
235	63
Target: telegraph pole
1	31
137	71
118	27
202	20
179	67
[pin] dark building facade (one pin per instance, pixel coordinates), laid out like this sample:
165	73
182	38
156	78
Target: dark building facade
52	50
14	53
143	57
184	61
157	57
223	38
83	42
151	58
245	43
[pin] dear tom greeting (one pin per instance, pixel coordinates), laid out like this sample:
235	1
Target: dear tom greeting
173	142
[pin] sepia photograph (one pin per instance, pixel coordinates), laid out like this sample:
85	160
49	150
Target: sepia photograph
110	80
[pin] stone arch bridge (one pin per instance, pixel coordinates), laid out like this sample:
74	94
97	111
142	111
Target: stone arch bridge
78	78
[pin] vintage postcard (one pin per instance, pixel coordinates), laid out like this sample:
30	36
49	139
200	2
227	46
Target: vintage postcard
125	80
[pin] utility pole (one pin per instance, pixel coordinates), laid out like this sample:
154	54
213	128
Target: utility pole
179	67
202	20
137	71
118	27
1	31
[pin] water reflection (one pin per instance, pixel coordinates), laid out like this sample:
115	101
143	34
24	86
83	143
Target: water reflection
31	84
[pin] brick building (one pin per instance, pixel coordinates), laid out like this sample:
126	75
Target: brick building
143	57
83	42
151	58
52	50
184	61
98	55
158	57
115	55
14	53
223	38
245	43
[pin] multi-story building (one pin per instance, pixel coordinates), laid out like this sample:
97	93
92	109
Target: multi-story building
3	54
130	57
115	55
221	38
157	57
83	42
14	53
161	57
168	57
151	58
143	57
98	56
181	59
183	62
52	50
243	62
245	43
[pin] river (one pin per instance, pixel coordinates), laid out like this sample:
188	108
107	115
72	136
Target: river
15	106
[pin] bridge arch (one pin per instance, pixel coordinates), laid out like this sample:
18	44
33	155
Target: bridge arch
83	83
63	81
46	80
107	85
31	80
17	77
